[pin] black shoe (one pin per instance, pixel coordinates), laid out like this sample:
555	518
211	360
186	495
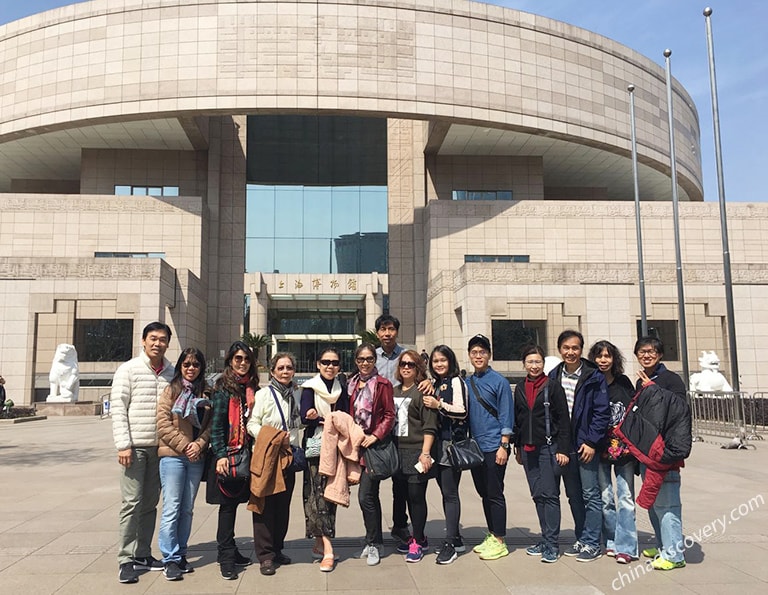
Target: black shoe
228	572
127	574
172	572
241	560
267	568
148	563
281	559
185	566
447	554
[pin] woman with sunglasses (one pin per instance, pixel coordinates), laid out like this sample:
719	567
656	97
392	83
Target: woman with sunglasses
183	431
275	406
233	399
415	431
449	399
320	395
373	409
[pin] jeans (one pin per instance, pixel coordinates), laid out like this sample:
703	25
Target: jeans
666	516
572	481
370	505
619	527
448	479
540	470
489	483
180	479
140	490
593	503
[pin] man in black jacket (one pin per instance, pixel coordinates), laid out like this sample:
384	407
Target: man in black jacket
670	412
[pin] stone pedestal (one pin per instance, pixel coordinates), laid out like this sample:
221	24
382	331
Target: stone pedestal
59	409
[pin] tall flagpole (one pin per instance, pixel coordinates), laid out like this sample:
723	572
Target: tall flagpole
731	319
676	222
638	228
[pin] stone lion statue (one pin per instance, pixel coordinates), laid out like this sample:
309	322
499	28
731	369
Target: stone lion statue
64	376
709	379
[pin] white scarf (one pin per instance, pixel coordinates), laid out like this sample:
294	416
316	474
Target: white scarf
323	404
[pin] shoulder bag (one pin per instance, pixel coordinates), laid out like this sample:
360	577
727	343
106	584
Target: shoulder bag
381	459
465	454
299	458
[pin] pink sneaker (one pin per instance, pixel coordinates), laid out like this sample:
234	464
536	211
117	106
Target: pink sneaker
415	551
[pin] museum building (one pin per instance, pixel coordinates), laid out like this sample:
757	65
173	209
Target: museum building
296	168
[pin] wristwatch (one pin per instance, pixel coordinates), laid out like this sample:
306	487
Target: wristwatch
506	446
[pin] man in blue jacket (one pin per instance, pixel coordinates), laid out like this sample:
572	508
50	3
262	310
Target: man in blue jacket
589	407
491	419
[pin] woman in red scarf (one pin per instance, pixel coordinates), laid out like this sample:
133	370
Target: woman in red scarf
542	439
233	399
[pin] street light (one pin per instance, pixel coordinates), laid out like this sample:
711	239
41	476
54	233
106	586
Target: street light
676	222
638	229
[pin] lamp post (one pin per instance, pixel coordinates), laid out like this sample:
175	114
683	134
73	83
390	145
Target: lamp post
638	228
731	320
676	222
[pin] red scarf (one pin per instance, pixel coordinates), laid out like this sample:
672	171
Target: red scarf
532	387
236	415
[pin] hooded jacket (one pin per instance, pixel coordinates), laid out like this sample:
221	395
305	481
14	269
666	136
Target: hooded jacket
591	408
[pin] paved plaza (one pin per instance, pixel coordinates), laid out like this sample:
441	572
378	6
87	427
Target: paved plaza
59	503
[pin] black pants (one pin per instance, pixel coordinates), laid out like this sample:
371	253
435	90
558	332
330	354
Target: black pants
271	526
415	490
448	479
489	483
370	505
225	533
399	503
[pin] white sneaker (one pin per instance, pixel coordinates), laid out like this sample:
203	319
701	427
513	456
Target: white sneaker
373	555
364	553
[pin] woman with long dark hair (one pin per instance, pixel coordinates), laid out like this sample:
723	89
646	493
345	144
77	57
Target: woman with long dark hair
619	524
542	441
449	398
373	409
183	432
320	395
275	406
233	399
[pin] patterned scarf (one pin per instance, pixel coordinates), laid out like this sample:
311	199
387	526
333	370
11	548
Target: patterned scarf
187	402
286	392
237	417
363	402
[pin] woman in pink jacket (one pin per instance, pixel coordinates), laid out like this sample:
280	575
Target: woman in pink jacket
373	409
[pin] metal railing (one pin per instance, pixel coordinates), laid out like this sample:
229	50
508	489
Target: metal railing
720	415
106	410
756	415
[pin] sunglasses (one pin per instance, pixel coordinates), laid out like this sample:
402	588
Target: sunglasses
190	365
330	362
241	358
365	360
406	364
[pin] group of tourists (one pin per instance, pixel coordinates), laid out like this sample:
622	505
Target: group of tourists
406	417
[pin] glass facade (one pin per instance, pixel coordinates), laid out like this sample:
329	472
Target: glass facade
316	229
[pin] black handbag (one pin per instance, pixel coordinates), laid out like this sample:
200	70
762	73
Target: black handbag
240	464
381	459
465	454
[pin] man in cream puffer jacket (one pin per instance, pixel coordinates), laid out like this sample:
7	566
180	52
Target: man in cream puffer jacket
136	388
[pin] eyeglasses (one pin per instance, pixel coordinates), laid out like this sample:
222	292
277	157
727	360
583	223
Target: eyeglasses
190	365
241	358
330	362
365	360
407	364
478	353
647	352
284	368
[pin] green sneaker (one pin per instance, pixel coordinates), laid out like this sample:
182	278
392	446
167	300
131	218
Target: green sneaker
651	552
478	549
494	550
664	564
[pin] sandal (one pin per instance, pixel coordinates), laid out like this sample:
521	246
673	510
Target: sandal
327	563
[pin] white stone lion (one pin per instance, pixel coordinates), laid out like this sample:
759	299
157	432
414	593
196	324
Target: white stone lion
64	376
709	379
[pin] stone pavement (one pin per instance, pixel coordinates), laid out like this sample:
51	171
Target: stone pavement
59	501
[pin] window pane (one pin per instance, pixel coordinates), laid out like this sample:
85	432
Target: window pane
508	337
122	190
288	256
317	213
289	212
139	190
104	340
346	212
170	190
260	211
155	191
373	209
259	255
318	255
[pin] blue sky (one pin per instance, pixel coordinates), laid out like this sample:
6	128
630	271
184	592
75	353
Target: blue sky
650	26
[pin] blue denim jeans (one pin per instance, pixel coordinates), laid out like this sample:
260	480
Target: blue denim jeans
666	516
593	503
572	482
619	527
540	470
180	479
